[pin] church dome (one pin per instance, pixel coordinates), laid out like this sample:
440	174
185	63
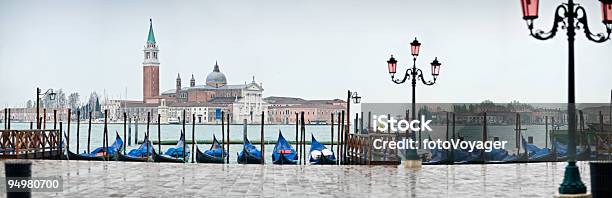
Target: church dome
216	78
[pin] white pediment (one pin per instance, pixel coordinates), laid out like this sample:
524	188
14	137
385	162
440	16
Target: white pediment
254	87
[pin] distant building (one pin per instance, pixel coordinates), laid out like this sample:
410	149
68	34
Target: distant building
29	115
282	110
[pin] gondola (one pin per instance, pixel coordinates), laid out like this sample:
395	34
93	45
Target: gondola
174	154
496	156
249	154
283	153
582	154
467	157
501	156
538	154
319	154
98	153
438	156
213	155
139	154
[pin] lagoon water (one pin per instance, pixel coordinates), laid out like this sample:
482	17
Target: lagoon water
321	132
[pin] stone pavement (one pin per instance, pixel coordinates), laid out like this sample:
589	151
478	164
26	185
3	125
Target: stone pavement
135	179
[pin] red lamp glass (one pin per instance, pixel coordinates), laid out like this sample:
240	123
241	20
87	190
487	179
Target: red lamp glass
530	9
606	9
435	67
414	47
392	63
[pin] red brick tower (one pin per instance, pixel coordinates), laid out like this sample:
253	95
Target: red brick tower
150	85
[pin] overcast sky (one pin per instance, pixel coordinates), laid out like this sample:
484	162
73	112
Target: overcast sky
311	49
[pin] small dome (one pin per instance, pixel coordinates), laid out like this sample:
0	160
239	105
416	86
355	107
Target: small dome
216	78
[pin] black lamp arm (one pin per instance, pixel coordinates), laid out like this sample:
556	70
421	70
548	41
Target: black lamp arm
583	23
560	14
406	77
420	74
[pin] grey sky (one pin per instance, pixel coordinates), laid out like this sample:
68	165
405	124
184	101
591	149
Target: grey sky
310	49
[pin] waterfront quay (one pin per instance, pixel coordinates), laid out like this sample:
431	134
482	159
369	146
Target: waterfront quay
134	179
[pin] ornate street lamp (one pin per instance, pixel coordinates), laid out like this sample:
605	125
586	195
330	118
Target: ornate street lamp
415	74
356	99
573	17
51	95
415	46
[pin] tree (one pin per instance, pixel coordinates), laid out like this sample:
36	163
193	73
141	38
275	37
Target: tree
29	104
98	109
61	99
93	99
74	100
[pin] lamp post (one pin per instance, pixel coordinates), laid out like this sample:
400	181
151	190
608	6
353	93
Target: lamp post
573	17
38	96
414	74
356	99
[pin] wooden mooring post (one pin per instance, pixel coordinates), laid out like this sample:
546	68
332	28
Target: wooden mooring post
344	134
147	137
182	134
193	138
68	130
44	119
59	143
484	135
136	131
106	134
5	118
158	133
303	134
78	137
54	119
452	150
124	132
446	136
228	138
338	149
552	134
222	136
54	122
297	142
129	137
89	134
262	139
546	131
332	133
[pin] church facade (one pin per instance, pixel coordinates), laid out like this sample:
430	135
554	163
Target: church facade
242	102
207	100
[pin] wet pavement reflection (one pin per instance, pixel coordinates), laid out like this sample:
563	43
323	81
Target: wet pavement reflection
134	179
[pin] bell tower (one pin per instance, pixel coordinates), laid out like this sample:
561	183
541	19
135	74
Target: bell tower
192	81
150	86
178	85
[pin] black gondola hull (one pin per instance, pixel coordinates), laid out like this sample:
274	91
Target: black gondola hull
74	156
127	158
247	158
205	158
284	160
324	160
162	158
582	156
